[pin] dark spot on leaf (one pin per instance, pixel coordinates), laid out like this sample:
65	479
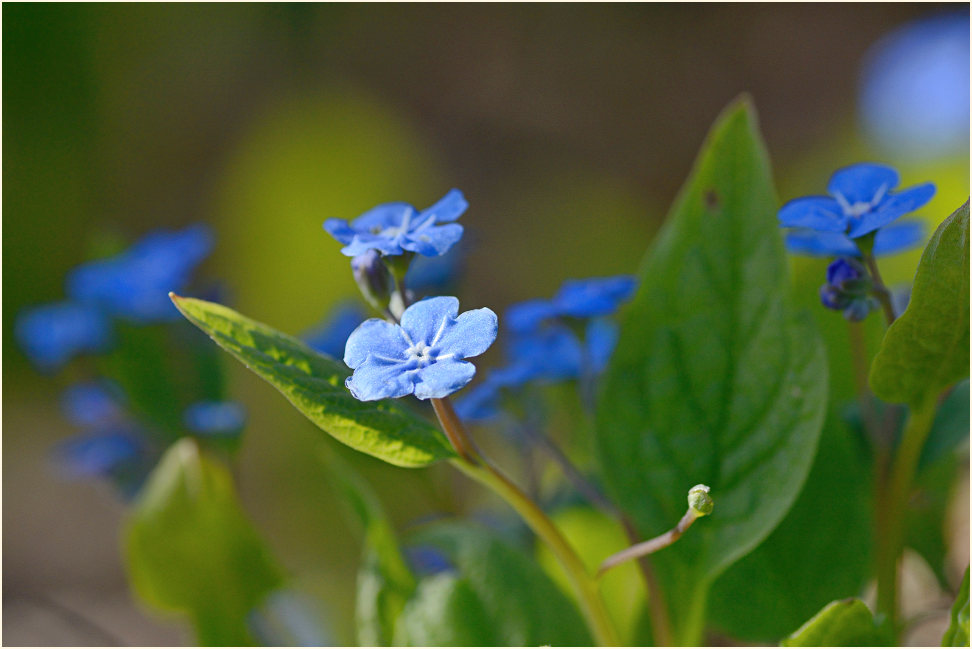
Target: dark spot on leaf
711	199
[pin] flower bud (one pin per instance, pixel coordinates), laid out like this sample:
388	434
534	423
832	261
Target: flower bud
373	278
848	289
699	500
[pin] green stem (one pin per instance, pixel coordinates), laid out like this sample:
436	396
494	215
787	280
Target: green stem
880	291
892	504
477	467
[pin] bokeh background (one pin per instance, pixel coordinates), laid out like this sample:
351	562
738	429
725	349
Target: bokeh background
568	127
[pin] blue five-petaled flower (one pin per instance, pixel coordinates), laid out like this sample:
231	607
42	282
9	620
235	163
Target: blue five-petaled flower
396	228
860	202
424	355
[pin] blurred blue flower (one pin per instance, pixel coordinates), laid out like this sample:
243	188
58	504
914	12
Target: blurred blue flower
914	92
330	336
481	402
426	560
136	283
848	289
435	274
97	454
92	404
861	202
891	239
394	228
52	334
422	356
578	298
551	353
600	338
215	417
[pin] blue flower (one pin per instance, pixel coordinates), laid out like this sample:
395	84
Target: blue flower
848	289
890	239
395	228
215	417
914	93
551	353
331	335
422	356
97	454
426	560
860	202
481	402
600	339
435	274
92	404
577	298
136	283
52	334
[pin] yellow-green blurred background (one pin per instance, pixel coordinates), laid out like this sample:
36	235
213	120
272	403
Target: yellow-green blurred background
568	127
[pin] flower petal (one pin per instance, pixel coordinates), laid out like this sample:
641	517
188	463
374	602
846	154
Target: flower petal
380	379
386	215
899	236
426	319
363	242
432	241
480	403
861	183
339	229
893	207
442	378
815	212
820	244
593	297
448	208
375	337
470	335
525	316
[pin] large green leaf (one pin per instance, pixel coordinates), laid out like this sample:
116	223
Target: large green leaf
385	582
777	586
845	623
957	634
498	595
715	379
190	548
927	348
314	384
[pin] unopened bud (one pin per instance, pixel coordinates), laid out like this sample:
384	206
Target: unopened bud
373	278
699	500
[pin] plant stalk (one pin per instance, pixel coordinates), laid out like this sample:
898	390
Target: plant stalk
880	291
477	467
892	505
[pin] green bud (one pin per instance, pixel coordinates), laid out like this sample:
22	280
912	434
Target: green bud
373	278
699	500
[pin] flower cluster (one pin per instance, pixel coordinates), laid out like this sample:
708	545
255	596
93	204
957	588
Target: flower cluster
542	346
848	289
858	219
104	296
423	351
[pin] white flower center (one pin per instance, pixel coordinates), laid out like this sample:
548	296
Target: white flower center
420	352
860	208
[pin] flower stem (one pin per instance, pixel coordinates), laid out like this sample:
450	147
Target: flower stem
650	546
880	291
477	467
892	505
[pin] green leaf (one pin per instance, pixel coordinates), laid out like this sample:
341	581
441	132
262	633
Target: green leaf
314	384
777	586
190	548
927	348
845	623
957	634
385	582
498	596
715	379
951	427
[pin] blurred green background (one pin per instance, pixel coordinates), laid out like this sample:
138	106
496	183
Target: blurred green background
568	127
